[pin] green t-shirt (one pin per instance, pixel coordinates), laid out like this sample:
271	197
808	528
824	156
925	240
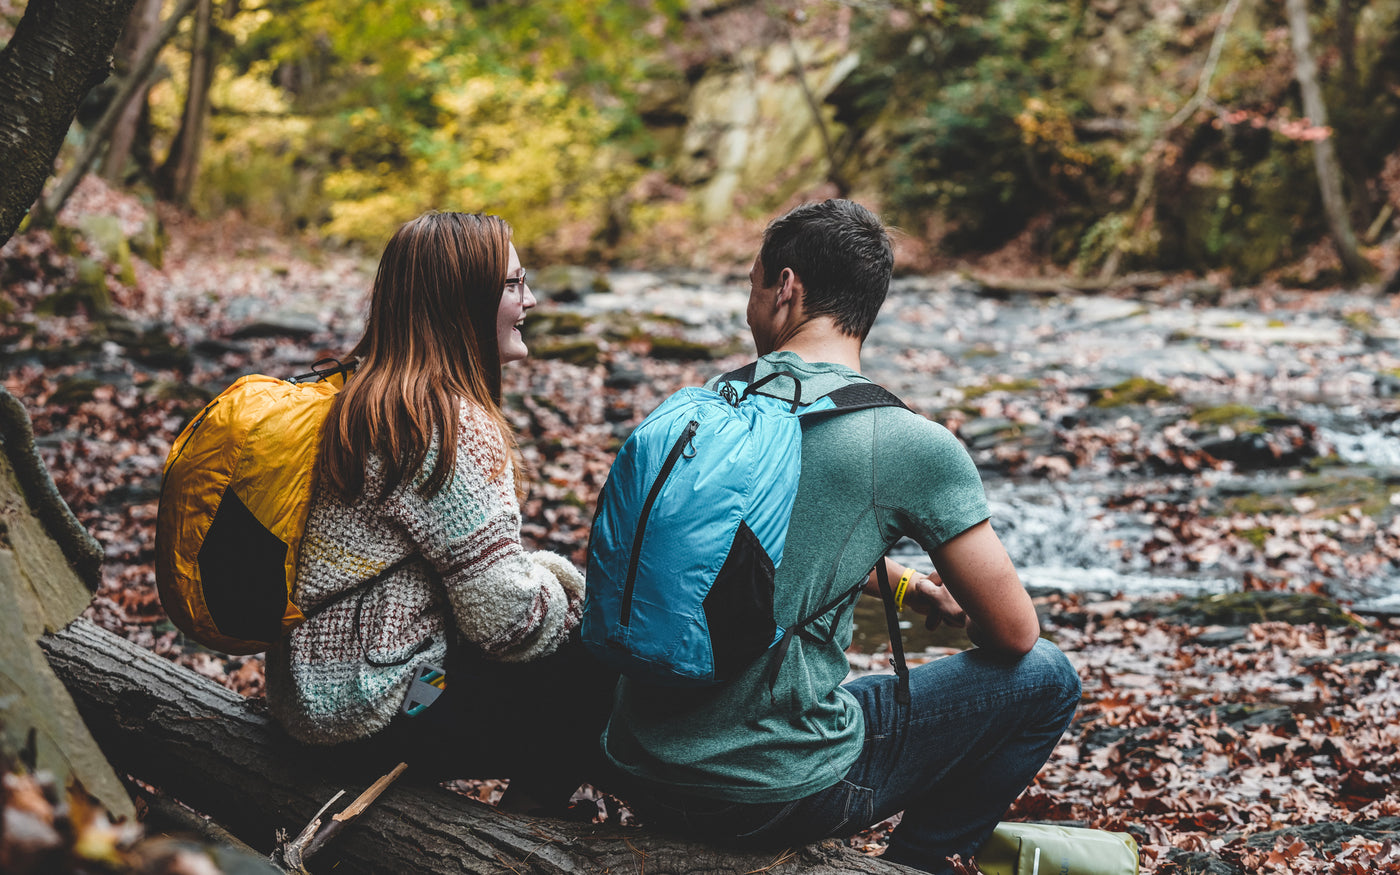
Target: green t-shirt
868	477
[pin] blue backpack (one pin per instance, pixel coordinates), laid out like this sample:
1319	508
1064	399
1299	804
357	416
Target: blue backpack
690	528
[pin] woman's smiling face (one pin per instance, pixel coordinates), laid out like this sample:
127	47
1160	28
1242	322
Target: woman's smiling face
515	301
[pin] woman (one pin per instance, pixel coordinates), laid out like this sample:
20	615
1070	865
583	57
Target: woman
411	561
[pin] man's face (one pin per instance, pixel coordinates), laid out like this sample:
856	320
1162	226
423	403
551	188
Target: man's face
760	311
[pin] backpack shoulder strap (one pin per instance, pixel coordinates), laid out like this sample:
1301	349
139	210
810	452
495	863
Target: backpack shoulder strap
858	396
741	375
852	396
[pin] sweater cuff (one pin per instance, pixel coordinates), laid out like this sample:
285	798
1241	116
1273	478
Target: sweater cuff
563	570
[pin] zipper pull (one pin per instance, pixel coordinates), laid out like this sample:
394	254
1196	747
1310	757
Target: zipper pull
689	437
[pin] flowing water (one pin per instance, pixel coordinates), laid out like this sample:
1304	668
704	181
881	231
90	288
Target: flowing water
1329	362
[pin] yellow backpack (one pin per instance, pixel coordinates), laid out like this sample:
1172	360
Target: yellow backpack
233	505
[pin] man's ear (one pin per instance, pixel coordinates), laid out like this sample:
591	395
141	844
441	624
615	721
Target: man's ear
789	288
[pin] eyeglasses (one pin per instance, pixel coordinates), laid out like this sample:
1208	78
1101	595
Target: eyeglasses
516	280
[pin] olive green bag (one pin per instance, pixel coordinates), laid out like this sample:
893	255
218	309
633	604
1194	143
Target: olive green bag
1043	849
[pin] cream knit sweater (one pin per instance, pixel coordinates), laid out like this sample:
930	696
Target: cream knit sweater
343	674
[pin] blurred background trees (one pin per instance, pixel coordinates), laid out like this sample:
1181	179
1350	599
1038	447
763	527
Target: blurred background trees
1096	136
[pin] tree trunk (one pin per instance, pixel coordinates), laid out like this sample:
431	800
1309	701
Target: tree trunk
176	177
60	49
142	32
48	207
1329	174
49	565
221	754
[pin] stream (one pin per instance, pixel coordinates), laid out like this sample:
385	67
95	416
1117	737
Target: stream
1313	377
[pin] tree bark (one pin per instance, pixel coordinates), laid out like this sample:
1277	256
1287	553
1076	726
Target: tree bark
222	755
1329	174
60	49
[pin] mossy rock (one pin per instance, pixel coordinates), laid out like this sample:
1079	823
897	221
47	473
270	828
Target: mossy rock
1246	715
1009	386
554	323
106	235
75	390
1200	863
1330	836
562	282
187	395
679	349
1334	494
1134	390
87	292
575	352
1236	416
149	242
152	347
1244	608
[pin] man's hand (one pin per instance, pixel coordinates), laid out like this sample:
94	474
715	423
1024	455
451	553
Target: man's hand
927	596
975	588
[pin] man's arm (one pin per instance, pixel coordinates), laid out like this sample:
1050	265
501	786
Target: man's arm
976	585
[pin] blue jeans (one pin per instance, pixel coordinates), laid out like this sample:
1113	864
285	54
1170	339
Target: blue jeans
978	729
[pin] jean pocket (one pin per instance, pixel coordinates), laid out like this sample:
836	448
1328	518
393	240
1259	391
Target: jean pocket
767	821
854	809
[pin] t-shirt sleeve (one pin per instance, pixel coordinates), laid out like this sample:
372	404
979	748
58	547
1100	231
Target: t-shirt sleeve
927	487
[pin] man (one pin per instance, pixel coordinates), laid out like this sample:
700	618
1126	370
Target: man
787	755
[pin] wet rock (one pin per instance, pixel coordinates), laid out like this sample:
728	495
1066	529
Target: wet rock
1243	608
152	347
1268	333
1330	836
1201	863
106	236
680	349
149	242
566	283
624	378
1134	390
294	325
1189	360
215	348
1223	637
75	390
1274	442
1097	310
192	397
1380	656
141	492
1241	716
576	352
618	410
88	292
554	323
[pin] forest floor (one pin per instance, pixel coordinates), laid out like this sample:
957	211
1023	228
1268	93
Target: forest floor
1252	731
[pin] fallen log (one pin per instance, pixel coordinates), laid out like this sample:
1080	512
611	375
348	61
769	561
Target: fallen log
222	755
994	286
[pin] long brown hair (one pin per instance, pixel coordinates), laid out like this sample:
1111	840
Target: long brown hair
429	343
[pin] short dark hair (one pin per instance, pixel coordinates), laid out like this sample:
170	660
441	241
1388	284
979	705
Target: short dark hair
841	252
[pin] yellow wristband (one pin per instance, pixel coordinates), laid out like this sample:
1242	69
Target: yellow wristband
900	589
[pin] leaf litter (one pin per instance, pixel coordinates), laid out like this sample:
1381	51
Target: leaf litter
1236	752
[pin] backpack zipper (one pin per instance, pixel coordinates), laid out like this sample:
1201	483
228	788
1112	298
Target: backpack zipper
671	457
193	427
